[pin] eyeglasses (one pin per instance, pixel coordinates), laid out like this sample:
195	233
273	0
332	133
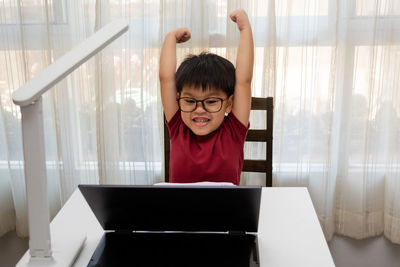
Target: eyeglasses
210	104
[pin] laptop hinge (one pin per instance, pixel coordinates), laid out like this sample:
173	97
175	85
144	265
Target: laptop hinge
123	231
237	232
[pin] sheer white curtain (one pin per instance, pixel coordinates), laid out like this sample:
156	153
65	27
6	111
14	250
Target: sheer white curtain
102	123
332	66
337	113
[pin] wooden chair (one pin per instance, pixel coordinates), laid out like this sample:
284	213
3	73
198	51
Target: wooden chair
249	165
265	135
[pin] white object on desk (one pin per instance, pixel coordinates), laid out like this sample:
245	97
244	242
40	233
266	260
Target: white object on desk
29	98
199	184
289	233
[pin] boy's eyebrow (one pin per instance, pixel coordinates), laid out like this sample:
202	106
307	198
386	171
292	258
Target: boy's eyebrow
207	95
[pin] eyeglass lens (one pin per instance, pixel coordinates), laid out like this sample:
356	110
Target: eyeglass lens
211	104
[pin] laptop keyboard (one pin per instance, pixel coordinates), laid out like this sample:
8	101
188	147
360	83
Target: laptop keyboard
176	249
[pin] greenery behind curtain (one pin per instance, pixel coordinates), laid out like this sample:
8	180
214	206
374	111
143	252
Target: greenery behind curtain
333	67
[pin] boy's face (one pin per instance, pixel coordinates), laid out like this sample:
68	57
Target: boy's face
200	121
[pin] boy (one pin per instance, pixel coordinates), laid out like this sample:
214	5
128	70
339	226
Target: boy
207	106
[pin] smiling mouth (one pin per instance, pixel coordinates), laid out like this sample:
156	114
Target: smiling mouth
200	122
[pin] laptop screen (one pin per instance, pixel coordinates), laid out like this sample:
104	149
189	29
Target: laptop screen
174	208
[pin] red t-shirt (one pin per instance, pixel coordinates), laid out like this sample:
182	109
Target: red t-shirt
216	157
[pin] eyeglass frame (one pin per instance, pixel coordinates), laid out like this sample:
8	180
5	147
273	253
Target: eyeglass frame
202	103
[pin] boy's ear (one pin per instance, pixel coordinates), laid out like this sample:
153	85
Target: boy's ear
229	104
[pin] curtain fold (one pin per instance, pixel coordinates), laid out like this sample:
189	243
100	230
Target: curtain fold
332	66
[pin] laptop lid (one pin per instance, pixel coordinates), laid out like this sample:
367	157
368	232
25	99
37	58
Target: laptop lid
159	208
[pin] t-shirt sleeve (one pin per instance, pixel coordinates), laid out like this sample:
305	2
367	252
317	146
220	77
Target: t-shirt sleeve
173	124
238	130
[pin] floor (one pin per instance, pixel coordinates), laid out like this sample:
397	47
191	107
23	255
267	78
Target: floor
12	249
370	252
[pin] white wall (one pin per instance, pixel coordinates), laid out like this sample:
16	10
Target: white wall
371	252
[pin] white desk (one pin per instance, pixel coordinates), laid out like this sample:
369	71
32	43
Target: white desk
289	232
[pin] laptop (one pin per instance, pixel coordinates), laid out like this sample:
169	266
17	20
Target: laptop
175	225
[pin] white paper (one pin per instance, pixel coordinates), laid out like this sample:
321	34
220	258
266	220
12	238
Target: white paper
200	184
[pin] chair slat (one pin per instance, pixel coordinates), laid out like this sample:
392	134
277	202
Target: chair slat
254	165
256	136
258	103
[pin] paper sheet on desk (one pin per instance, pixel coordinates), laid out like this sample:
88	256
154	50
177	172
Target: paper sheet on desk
197	184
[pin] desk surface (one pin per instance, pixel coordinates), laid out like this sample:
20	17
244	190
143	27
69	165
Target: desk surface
289	232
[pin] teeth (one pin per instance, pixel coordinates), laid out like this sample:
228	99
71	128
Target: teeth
201	120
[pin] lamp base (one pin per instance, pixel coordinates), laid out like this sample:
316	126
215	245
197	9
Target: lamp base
64	252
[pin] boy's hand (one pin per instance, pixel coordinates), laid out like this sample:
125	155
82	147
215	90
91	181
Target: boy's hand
181	34
240	18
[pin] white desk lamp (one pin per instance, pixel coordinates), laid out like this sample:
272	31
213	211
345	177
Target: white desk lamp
29	98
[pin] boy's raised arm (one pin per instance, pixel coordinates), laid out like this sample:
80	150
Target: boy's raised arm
244	67
168	68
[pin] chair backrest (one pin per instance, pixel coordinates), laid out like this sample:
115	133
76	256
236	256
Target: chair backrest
264	135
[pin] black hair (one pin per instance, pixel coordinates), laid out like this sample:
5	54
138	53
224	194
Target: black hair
206	70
